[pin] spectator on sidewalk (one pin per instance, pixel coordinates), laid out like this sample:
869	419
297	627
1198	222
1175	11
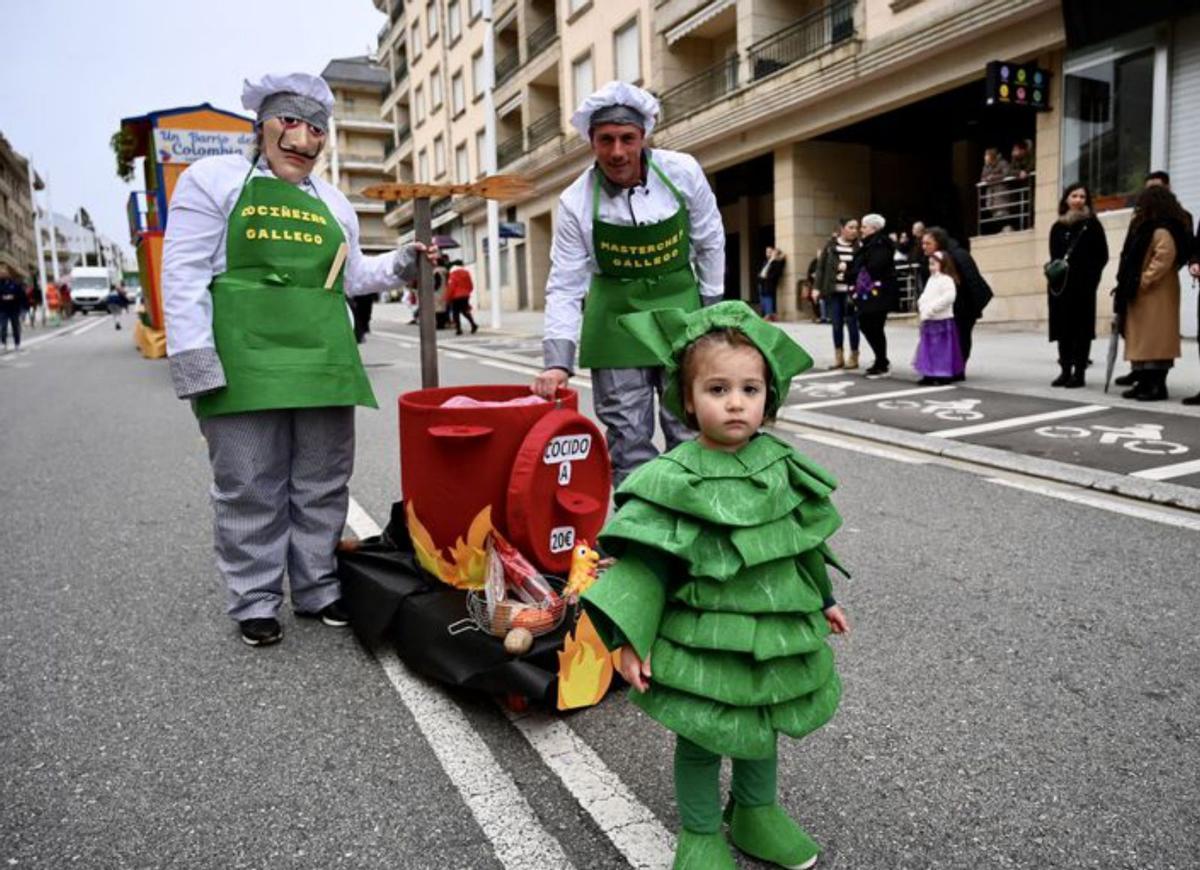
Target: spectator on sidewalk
768	282
974	293
65	306
361	307
1077	238
1147	297
1194	271
35	303
938	357
820	315
993	205
12	307
833	285
459	288
116	303
873	277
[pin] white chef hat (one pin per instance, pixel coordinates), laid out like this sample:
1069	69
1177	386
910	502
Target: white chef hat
298	95
616	103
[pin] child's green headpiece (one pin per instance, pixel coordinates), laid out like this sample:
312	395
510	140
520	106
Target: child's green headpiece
667	332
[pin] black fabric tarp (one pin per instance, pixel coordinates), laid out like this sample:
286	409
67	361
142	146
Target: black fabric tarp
393	601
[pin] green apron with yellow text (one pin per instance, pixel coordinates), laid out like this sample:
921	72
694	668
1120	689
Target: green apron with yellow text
284	340
642	268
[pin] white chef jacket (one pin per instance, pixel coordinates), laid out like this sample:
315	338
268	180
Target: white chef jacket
194	245
573	261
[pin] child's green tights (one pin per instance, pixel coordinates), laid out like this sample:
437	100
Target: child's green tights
698	785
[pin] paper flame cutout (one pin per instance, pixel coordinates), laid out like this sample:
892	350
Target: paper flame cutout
585	667
466	563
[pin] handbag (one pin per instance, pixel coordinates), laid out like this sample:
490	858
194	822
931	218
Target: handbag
1056	270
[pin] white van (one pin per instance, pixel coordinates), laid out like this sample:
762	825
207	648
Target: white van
90	286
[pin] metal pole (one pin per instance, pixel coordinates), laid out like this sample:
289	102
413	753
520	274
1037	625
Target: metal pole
489	133
423	232
37	234
53	233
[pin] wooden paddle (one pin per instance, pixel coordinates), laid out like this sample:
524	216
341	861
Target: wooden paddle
339	260
492	187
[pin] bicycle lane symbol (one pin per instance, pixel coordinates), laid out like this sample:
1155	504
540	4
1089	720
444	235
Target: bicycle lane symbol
823	390
1145	438
955	410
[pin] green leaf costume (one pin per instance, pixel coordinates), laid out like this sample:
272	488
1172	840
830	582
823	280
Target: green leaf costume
722	571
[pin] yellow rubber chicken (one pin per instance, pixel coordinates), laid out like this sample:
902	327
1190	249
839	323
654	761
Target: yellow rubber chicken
585	564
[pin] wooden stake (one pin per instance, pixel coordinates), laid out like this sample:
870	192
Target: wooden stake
423	232
339	259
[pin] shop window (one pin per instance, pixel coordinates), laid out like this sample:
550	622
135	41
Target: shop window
1108	124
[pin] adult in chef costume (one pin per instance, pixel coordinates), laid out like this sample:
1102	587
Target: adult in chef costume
639	230
265	350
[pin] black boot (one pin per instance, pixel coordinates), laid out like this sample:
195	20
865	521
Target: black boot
1126	380
1064	375
1192	400
1075	377
1155	389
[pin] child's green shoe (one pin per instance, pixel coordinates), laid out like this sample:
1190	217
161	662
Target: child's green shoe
769	834
702	852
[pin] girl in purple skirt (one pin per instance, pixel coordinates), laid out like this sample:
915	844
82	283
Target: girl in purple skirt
938	357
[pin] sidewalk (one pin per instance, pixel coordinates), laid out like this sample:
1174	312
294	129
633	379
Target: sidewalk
1022	363
1014	420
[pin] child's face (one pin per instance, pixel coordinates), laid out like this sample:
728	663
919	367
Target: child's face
728	396
935	266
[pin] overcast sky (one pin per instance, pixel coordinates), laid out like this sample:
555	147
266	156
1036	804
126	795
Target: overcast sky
72	69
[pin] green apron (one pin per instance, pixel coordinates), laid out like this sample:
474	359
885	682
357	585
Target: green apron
642	268
283	339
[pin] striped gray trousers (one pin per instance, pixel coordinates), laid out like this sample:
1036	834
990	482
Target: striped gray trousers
624	402
280	493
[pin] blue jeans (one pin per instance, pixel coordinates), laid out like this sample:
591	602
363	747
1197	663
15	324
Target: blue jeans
841	312
767	301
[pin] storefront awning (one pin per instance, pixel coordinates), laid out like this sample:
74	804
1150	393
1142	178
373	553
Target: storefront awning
697	20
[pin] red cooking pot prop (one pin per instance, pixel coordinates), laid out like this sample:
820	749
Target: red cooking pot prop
537	473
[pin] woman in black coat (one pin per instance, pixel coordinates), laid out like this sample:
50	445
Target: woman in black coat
1078	237
873	277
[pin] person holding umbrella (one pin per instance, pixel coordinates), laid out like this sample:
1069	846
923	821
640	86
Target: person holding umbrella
1146	299
261	344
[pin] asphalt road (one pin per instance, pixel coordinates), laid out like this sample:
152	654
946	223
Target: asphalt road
1021	679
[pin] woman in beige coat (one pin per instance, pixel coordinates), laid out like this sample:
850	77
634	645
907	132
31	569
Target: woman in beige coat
1147	294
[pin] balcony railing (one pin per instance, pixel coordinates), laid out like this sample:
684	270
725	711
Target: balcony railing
506	66
510	149
372	117
700	91
812	34
543	129
1006	204
542	35
397	11
908	284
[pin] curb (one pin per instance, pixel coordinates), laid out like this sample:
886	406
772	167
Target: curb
1154	491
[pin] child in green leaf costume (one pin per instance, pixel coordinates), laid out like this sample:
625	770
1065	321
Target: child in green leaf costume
720	599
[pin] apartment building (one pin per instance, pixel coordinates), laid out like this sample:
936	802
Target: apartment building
17	250
805	110
359	140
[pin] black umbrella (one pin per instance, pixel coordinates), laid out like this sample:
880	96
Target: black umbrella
1114	341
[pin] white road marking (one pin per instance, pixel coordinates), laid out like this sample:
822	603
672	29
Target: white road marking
854	400
90	326
627	822
495	802
814	375
506	818
1103	503
869	450
360	521
1017	422
1166	472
